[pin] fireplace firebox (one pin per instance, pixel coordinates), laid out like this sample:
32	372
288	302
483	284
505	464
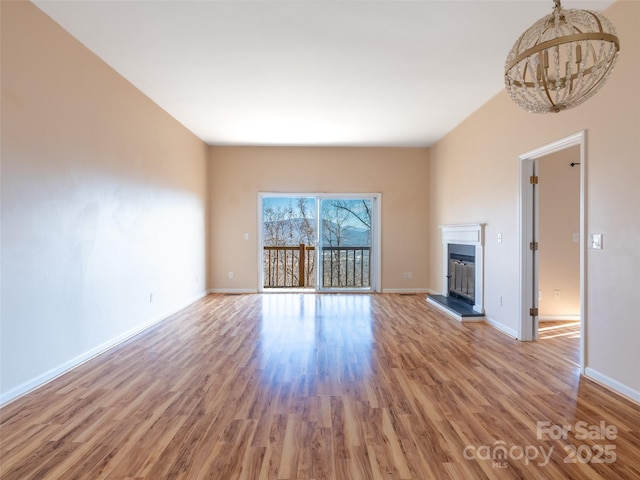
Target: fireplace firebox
462	272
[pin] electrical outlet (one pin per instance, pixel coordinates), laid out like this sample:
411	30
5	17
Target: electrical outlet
407	275
246	236
230	274
499	238
150	297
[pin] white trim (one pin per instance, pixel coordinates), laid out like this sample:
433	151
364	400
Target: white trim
75	362
376	287
564	318
502	328
259	248
613	384
525	233
556	146
527	225
468	234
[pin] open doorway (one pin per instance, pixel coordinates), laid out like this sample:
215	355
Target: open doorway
552	240
559	244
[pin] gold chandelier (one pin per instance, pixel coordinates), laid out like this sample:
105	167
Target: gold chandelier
561	60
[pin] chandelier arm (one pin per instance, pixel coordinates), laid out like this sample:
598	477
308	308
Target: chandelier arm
572	77
545	83
562	40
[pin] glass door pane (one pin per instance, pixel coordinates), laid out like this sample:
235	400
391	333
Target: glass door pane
288	242
344	257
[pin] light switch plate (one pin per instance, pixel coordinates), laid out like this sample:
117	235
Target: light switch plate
596	241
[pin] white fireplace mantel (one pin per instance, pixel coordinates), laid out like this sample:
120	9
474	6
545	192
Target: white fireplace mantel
469	234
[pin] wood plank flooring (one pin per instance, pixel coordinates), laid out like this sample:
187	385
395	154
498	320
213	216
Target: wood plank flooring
303	386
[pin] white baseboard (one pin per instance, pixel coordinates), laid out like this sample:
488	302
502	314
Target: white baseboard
613	384
502	328
52	374
233	290
553	318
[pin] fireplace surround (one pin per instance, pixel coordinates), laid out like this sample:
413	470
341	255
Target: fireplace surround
462	271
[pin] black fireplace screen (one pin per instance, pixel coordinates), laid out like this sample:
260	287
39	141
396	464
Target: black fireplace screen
462	274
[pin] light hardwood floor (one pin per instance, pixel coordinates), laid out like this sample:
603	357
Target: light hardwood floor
303	386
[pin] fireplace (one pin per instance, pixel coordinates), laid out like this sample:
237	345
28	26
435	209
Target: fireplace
462	272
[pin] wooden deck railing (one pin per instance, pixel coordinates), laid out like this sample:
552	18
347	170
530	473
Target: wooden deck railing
288	267
294	266
348	267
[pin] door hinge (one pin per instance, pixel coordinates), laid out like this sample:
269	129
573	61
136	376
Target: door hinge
533	179
533	246
533	311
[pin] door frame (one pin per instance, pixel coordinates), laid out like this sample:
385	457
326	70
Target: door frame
528	224
376	237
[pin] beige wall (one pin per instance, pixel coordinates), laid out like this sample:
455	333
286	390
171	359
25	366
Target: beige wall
559	220
474	178
103	202
237	174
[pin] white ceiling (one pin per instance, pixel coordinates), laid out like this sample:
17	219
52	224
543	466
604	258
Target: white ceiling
343	73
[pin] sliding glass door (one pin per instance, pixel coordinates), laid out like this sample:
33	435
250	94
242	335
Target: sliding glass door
289	237
345	243
321	242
